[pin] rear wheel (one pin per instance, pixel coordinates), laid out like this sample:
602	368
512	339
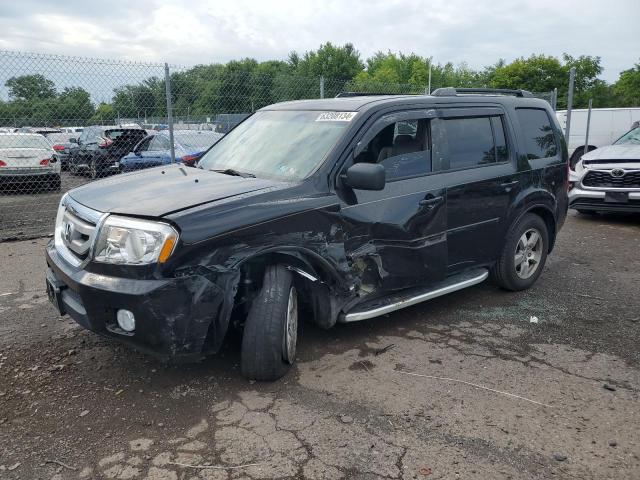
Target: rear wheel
524	254
93	170
271	329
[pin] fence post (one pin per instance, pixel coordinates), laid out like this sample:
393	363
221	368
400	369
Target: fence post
429	87
554	103
586	136
167	84
322	86
572	76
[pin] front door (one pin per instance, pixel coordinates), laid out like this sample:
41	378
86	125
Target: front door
396	237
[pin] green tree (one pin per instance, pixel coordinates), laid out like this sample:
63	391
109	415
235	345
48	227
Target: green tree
627	88
30	87
103	115
330	61
74	106
538	73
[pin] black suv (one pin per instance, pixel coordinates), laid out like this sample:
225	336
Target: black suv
347	209
100	148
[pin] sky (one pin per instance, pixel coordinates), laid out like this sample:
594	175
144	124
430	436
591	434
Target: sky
206	31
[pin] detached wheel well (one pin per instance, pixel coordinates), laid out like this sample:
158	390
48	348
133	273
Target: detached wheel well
550	222
317	297
575	156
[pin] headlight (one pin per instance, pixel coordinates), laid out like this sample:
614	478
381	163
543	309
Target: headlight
135	242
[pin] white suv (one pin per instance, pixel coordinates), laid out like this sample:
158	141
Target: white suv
608	179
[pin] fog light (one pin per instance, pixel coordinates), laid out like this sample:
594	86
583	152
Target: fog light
126	320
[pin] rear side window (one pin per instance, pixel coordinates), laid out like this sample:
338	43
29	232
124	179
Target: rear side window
468	142
537	134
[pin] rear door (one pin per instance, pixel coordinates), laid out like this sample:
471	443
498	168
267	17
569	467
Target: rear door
473	155
396	237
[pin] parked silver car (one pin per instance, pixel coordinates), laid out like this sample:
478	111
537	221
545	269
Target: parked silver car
608	179
27	161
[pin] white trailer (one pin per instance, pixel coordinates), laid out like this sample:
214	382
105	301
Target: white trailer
607	125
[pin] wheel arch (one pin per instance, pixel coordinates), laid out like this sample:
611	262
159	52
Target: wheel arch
545	212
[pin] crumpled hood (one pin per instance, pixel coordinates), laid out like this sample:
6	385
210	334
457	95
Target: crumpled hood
159	191
614	152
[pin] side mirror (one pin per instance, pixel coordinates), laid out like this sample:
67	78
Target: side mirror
73	140
365	176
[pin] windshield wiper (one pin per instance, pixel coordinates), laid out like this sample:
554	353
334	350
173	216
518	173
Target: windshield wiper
235	173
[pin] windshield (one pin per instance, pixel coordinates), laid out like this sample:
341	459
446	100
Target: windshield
631	137
23	141
286	145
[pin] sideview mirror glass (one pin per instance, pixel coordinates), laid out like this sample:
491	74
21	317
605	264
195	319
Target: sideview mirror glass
365	176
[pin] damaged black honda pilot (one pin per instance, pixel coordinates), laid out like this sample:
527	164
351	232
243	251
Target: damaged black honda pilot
346	208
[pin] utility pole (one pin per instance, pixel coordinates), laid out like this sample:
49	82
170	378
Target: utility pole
572	77
167	85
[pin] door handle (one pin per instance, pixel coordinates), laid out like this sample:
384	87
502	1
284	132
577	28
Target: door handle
430	202
510	184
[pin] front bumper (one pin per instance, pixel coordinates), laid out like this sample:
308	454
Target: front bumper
176	318
588	199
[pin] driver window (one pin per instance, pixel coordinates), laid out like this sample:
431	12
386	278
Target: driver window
143	146
156	144
403	148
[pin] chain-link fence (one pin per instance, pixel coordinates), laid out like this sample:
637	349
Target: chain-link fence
65	121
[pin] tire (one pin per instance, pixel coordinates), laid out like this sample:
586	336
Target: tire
271	329
93	170
511	274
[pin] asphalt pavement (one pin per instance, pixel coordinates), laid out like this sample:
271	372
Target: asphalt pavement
479	384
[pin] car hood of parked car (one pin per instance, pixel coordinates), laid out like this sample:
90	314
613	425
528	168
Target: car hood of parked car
163	190
614	152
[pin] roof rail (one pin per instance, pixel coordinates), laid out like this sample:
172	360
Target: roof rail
451	92
369	94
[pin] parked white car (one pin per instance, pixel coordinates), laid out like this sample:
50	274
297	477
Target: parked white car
72	129
607	125
608	179
27	161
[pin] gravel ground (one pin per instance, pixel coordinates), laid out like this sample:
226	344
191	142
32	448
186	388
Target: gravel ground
30	213
465	386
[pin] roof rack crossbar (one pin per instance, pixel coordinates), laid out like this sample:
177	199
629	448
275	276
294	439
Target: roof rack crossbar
451	91
369	94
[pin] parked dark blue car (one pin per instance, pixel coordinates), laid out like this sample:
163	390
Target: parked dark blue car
154	150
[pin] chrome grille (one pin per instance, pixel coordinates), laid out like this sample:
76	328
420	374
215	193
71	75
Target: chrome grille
75	231
607	178
76	234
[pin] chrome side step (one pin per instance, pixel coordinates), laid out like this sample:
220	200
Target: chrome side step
398	301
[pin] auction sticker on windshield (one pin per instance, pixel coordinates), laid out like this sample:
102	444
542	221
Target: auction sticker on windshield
336	116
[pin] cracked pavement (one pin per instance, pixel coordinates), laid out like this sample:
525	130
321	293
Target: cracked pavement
464	386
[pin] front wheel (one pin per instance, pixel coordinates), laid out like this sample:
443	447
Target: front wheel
523	255
271	329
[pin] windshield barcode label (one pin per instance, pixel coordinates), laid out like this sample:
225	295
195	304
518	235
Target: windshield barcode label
336	116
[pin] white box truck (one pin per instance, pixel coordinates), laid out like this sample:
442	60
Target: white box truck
607	125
